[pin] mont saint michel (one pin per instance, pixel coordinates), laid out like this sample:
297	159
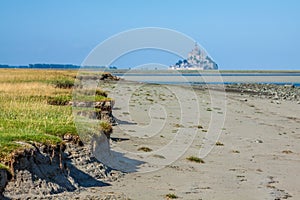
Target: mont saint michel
197	59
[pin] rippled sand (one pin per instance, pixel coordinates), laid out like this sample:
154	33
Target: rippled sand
255	157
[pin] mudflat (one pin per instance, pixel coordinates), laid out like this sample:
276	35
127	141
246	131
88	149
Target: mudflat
256	155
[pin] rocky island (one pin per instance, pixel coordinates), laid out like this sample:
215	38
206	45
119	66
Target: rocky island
197	59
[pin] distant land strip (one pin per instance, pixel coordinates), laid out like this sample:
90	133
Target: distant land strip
115	69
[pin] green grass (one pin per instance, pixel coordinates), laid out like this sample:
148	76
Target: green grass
32	120
59	100
65	83
4	167
90	98
31	107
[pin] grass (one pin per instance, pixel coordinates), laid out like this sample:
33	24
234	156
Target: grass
65	83
178	126
171	196
27	76
218	143
195	159
4	167
101	93
90	98
200	127
106	127
145	149
59	100
287	151
90	92
31	107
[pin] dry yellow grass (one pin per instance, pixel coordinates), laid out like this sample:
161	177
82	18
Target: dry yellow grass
33	75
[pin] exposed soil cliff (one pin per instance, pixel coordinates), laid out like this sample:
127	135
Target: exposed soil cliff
41	171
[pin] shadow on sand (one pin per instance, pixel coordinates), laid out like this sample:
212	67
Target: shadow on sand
114	159
123	122
118	139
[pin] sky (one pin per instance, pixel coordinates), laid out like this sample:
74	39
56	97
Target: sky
245	35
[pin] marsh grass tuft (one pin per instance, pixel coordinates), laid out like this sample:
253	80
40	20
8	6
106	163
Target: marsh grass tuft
218	143
145	149
195	159
287	151
171	196
200	127
178	126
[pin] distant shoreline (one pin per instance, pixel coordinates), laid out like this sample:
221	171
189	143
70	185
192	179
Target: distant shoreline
213	78
132	71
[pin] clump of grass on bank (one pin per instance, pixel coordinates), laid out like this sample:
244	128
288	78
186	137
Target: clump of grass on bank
90	98
90	95
195	159
91	92
59	100
101	93
106	127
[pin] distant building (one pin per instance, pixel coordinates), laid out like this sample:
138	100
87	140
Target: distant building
197	59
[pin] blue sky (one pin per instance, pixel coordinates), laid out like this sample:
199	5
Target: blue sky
237	34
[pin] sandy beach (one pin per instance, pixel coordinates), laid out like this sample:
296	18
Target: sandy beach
255	157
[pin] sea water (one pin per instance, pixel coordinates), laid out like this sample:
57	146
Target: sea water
213	78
